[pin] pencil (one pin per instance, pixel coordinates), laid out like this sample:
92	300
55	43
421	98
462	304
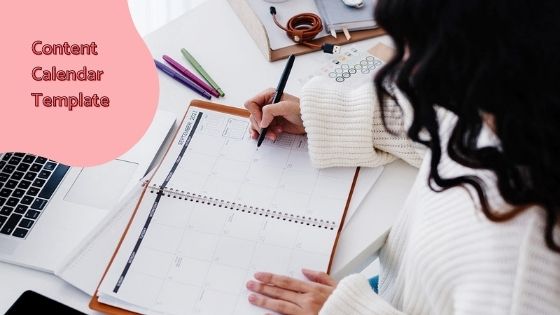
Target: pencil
201	71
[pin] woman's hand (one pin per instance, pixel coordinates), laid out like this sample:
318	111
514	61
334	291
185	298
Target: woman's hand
290	296
287	113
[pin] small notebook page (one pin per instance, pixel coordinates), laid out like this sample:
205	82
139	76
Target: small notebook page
190	252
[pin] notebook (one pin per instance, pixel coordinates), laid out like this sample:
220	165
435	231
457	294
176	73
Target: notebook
338	16
217	210
273	42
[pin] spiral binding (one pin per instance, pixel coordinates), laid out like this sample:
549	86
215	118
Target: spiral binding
203	199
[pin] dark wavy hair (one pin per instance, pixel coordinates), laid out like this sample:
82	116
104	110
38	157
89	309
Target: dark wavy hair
500	57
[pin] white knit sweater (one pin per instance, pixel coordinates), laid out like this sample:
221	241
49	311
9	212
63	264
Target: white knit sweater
442	255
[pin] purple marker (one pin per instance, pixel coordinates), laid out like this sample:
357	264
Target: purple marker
186	81
177	66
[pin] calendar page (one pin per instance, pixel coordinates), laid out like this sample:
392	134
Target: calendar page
217	211
222	161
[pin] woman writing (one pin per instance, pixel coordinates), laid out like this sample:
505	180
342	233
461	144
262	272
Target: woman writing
472	98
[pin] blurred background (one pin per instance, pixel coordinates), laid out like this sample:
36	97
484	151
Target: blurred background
149	15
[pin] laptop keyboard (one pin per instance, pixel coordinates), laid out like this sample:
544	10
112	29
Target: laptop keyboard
27	182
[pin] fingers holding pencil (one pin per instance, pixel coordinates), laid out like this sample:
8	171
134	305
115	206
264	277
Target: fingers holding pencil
284	116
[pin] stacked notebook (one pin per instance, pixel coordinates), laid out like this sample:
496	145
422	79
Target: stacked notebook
337	16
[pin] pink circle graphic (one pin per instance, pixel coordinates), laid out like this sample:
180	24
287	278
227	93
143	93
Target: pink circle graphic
79	85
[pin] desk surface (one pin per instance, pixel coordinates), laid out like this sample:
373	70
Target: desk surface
213	33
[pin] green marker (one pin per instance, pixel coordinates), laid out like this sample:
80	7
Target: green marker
202	72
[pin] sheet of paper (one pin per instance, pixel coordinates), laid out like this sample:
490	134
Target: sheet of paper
180	260
86	266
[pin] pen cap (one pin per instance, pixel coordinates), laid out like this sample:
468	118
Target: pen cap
161	66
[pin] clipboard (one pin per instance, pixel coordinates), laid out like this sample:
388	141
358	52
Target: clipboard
258	32
95	304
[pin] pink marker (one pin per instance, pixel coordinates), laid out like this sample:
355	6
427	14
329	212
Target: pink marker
190	75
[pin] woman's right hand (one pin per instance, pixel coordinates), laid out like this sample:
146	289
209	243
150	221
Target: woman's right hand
284	116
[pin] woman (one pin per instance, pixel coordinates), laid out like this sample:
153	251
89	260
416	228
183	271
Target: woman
472	98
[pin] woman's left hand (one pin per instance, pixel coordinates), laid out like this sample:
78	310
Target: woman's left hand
291	296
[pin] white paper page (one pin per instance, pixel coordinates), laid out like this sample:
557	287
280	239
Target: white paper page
221	161
284	11
85	268
181	257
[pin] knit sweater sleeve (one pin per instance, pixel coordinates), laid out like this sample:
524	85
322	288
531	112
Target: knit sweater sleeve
354	296
345	127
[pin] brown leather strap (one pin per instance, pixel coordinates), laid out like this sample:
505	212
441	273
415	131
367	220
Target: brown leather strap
302	28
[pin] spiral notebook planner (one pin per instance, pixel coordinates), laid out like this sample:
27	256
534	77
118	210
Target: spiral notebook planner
216	211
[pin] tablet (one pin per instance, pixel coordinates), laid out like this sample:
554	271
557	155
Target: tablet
30	302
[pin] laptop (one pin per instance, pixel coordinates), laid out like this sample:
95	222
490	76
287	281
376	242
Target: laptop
47	208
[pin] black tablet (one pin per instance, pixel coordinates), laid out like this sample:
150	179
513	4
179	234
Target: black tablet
30	302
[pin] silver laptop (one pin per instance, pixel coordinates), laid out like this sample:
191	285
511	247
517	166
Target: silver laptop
47	208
